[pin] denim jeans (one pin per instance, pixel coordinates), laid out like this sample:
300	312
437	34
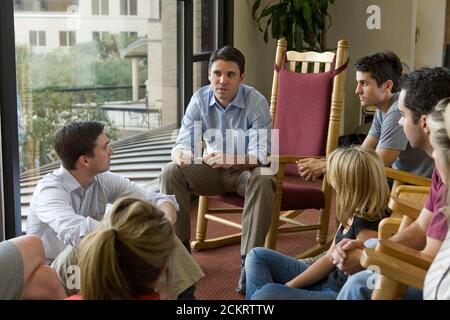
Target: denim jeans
357	288
267	271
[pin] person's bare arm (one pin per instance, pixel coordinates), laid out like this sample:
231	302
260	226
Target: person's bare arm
370	142
311	169
169	211
316	272
388	156
432	247
348	252
40	281
414	236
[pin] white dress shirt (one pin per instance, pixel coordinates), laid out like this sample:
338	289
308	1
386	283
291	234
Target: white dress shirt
62	211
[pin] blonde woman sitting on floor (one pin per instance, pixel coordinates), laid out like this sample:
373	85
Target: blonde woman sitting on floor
125	257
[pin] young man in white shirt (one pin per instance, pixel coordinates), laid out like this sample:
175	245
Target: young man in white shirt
70	202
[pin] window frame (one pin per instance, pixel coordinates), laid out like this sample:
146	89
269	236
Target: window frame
11	207
100	7
225	30
128	7
69	36
39	37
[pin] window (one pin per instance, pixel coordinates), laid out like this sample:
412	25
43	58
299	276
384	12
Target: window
93	79
37	38
129	34
97	35
211	28
44	5
19	5
100	7
67	38
33	38
128	7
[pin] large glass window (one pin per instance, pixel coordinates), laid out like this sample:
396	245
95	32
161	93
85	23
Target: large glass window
205	25
128	63
115	69
85	73
211	28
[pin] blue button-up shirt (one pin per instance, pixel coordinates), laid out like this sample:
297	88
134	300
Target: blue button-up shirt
242	128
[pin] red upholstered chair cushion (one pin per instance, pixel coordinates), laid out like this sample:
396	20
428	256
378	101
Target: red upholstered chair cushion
295	197
302	113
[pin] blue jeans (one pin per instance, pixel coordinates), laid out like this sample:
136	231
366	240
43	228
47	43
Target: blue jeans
357	288
267	271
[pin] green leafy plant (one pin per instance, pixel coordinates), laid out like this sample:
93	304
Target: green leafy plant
304	23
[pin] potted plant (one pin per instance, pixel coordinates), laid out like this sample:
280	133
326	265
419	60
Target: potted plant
303	23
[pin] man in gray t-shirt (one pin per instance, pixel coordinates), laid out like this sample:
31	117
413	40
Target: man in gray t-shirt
377	78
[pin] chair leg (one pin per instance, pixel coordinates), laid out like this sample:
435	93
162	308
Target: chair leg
202	222
322	234
388	289
201	242
271	237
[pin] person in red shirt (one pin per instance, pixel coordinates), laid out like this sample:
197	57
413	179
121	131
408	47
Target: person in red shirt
126	257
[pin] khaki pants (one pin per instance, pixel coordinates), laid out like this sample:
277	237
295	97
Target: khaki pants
201	179
183	273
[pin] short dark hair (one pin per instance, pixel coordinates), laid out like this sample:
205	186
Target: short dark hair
228	53
76	139
424	88
383	66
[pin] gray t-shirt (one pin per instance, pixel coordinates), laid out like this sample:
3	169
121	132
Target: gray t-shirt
390	135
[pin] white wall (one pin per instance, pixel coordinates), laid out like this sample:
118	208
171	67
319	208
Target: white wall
398	20
259	56
431	27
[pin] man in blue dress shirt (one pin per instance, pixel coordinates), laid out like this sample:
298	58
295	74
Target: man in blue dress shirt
235	123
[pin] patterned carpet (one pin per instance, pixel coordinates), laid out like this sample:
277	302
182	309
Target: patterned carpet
221	265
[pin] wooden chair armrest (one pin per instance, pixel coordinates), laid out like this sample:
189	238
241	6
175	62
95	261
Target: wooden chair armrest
388	227
407	177
393	268
406	207
405	254
405	188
